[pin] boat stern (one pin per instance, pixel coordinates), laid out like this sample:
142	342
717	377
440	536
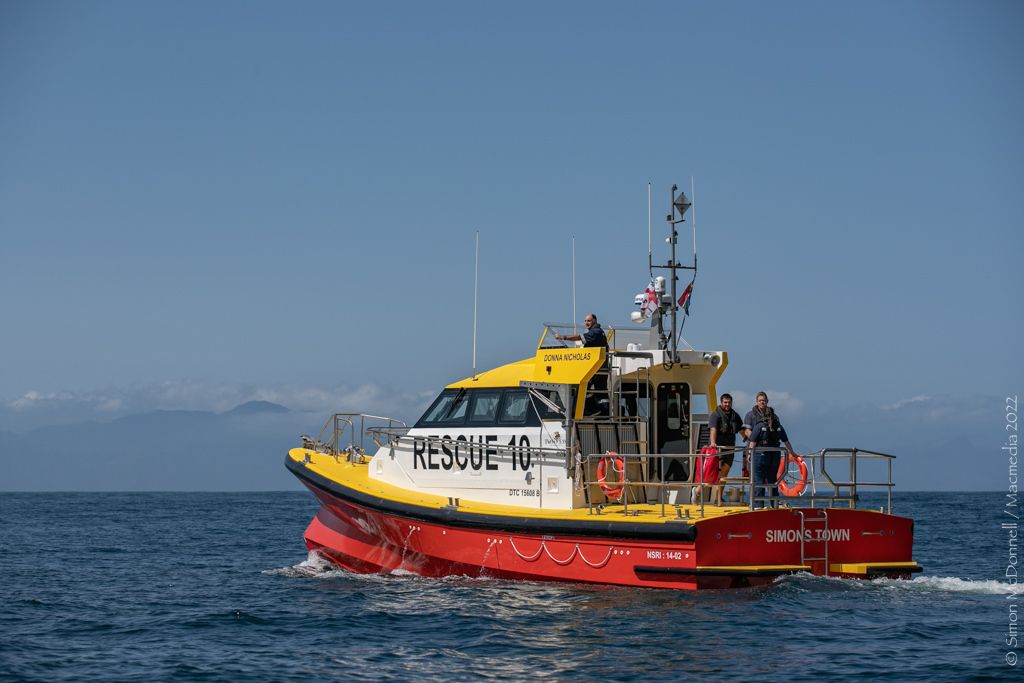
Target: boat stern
848	543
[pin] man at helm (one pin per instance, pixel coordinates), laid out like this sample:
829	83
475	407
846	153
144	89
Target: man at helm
593	337
597	402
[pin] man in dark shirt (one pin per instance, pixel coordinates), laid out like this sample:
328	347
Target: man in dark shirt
725	424
597	401
765	430
593	336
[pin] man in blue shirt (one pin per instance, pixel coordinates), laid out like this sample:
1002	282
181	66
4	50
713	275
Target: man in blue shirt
597	401
593	336
765	430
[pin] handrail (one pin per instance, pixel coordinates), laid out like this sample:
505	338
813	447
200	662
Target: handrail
854	483
341	423
393	435
819	477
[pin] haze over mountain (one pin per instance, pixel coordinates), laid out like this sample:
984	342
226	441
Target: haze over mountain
941	444
242	449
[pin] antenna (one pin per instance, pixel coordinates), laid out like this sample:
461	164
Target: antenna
680	205
574	284
649	261
476	280
693	221
672	264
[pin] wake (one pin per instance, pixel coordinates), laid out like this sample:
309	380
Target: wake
922	584
952	584
314	566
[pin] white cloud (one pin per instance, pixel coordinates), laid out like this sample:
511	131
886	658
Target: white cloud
906	402
942	408
35	399
36	408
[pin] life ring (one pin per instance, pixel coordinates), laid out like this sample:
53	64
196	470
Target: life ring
801	484
618	465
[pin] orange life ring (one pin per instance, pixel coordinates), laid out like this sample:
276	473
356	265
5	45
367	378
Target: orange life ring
801	484
618	465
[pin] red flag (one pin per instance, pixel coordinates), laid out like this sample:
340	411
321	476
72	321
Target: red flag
684	300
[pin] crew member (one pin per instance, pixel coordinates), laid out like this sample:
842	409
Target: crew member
597	401
725	424
594	335
765	430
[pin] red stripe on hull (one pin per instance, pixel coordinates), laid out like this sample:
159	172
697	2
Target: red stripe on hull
364	540
367	541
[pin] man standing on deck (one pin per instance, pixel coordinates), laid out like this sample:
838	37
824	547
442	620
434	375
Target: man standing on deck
594	336
725	424
765	430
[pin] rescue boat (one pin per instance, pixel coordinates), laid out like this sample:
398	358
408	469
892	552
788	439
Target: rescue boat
585	464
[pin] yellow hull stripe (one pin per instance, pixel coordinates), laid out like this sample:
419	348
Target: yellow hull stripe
864	567
356	477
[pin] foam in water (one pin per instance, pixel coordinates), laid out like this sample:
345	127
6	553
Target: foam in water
947	584
315	565
953	584
402	572
319	567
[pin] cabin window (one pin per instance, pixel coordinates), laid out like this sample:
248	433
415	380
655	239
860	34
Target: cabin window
673	421
546	413
448	409
438	408
485	407
457	413
488	407
633	399
515	409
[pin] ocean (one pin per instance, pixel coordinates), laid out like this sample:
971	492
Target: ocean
219	587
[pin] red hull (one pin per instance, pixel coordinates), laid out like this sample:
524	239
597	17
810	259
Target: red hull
731	551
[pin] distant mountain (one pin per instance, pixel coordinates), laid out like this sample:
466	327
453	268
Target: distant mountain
942	444
164	450
256	407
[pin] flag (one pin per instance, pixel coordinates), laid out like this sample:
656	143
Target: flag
650	304
684	300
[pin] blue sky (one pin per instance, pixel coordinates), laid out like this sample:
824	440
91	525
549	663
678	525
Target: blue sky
208	201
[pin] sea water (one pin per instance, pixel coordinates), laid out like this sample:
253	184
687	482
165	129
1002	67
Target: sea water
219	587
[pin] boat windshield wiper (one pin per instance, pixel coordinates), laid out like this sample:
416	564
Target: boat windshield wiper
455	404
551	405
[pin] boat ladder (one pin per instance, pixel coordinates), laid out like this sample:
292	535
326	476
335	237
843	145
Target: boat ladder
804	521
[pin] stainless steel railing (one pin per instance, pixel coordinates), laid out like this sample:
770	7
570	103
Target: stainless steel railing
354	427
839	492
345	434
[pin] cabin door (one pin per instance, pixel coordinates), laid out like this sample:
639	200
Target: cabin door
672	425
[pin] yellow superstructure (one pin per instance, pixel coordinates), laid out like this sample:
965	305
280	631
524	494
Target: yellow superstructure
572	366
